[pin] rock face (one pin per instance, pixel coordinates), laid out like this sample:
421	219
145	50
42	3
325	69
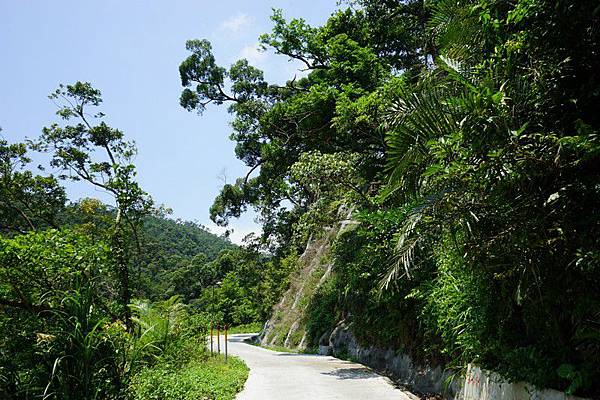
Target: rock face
286	325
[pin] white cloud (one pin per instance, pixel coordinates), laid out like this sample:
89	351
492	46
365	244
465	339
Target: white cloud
238	233
253	54
236	23
241	227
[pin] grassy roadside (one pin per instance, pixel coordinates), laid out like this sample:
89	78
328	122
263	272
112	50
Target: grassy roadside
253	327
277	348
283	349
205	378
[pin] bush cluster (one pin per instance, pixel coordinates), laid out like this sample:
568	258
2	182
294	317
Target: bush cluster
61	339
452	311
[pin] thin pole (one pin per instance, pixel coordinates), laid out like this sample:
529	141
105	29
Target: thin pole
212	303
211	338
226	343
218	339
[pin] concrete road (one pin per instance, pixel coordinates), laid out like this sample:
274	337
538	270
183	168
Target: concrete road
289	376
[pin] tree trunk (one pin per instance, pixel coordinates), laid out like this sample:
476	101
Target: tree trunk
122	268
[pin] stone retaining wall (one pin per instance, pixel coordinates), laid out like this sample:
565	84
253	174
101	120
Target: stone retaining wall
477	384
480	384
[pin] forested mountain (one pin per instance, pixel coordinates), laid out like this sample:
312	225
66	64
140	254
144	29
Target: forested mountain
170	247
162	236
161	247
168	237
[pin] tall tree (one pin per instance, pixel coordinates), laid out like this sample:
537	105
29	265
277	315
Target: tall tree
333	109
101	156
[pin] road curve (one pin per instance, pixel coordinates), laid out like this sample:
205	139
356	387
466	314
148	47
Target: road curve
289	376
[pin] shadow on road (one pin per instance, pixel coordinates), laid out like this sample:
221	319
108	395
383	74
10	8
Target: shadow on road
238	339
351	373
299	355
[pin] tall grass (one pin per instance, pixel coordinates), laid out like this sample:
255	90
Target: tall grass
83	349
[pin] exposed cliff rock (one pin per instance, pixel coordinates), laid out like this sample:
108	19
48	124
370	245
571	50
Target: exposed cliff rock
287	324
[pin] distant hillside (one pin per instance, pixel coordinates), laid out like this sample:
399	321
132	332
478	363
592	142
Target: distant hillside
182	238
169	248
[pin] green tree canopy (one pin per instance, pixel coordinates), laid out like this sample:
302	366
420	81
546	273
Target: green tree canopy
330	110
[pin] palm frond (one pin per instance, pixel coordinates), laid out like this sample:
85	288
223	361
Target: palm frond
406	244
413	120
455	29
458	71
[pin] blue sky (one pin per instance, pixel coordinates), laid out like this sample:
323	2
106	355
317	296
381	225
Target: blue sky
131	51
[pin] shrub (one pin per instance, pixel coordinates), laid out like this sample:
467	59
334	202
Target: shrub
321	314
361	258
211	378
458	307
56	337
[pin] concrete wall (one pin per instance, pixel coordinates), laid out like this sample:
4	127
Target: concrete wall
480	384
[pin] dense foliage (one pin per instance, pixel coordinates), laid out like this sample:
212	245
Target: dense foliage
73	276
465	137
241	286
27	201
61	337
176	364
56	326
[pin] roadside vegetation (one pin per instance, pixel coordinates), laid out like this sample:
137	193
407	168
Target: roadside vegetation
212	378
103	301
254	327
464	137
